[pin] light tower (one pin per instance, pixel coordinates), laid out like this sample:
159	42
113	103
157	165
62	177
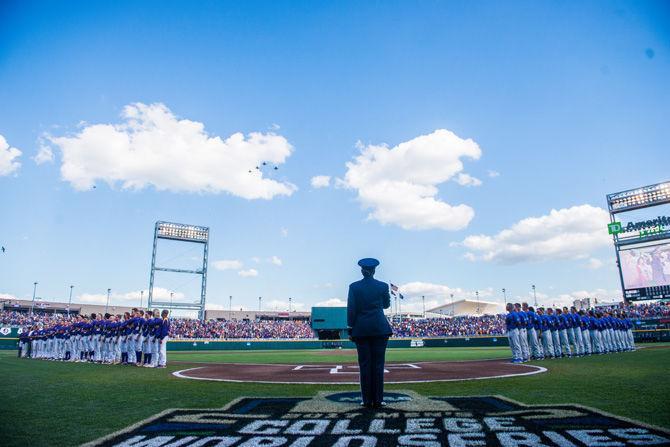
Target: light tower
69	303
192	234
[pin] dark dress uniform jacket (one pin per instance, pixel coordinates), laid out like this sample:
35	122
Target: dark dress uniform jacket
365	308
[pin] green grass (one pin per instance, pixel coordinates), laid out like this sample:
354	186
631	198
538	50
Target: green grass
52	404
340	355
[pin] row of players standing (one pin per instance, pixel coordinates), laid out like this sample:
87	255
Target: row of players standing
561	333
138	338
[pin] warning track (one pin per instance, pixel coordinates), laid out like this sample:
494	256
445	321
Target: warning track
347	373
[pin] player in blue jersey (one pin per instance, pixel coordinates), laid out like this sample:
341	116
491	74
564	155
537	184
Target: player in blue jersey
536	351
512	325
163	338
545	334
563	325
523	332
553	327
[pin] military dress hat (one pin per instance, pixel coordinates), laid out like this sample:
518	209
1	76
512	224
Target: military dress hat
368	262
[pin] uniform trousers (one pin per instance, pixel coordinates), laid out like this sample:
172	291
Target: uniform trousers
579	341
162	352
535	348
523	341
557	343
596	346
371	355
572	338
548	344
586	341
565	341
514	343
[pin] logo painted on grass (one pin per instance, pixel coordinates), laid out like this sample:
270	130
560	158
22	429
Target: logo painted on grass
336	419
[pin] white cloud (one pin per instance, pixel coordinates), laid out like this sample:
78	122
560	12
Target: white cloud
567	299
215	306
284	232
7	296
44	155
280	305
8	158
152	147
399	184
276	261
320	181
594	264
464	179
256	259
128	298
417	289
228	264
333	302
248	273
568	233
492	174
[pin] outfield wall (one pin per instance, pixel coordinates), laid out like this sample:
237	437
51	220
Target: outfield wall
658	335
251	345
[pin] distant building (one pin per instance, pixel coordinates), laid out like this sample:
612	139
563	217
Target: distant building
465	308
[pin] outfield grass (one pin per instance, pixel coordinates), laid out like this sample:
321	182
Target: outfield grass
52	403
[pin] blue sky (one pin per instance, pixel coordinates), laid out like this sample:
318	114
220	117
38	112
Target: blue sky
564	102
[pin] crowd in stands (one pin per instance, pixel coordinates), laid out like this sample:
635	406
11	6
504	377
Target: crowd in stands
237	329
184	328
450	327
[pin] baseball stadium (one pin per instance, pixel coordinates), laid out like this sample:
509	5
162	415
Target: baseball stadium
252	223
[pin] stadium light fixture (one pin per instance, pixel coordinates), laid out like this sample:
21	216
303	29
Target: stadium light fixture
632	199
182	232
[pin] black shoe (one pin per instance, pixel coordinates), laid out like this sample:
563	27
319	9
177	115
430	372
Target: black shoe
378	405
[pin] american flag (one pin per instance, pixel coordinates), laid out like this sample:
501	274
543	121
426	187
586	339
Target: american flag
394	289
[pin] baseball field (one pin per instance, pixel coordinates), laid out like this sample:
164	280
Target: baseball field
73	403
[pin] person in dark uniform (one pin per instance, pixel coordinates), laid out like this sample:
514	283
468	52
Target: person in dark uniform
370	330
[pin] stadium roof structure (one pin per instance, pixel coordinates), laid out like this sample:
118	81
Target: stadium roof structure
467	307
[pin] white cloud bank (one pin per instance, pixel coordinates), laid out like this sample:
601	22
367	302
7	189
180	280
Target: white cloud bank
152	147
276	261
333	302
467	180
44	155
8	158
128	298
228	264
594	264
399	184
248	273
281	305
568	233
320	181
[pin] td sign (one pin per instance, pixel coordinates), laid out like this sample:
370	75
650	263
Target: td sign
614	228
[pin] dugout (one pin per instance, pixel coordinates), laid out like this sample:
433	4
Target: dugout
330	323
